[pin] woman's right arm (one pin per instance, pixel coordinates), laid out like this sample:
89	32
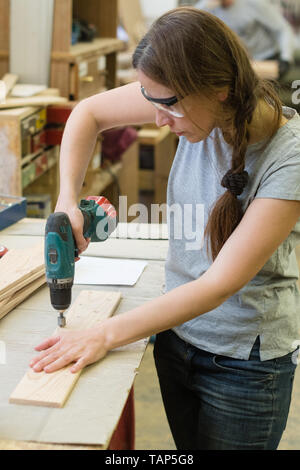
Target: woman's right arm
118	107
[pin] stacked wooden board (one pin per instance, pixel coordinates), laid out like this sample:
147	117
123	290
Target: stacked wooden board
21	273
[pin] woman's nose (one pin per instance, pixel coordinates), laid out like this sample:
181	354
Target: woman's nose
163	119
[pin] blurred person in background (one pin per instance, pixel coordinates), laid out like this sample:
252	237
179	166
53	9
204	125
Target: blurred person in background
262	28
291	11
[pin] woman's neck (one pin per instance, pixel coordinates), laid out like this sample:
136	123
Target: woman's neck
261	126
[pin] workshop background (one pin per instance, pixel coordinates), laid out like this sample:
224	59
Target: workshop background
55	53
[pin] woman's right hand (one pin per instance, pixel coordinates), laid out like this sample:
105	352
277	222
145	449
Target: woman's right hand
76	219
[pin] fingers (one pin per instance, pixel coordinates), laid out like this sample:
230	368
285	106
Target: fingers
77	221
57	364
47	343
53	361
39	363
47	347
80	364
83	244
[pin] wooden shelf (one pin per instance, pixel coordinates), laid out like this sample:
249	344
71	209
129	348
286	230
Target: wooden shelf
83	50
84	69
67	72
22	163
4	36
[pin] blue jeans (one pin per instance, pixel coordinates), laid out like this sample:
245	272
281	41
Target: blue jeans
217	403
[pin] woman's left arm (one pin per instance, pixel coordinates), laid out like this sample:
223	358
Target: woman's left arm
265	225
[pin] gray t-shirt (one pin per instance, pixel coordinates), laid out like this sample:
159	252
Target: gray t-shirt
269	305
259	24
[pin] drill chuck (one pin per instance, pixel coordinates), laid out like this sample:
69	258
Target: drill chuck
60	298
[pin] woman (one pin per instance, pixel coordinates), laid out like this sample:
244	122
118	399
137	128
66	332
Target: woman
227	325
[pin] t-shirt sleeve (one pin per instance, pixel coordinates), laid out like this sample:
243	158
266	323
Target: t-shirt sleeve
282	182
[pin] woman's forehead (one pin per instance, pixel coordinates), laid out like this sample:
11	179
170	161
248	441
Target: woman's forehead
154	89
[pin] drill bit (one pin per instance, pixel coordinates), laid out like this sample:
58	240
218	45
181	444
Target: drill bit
61	320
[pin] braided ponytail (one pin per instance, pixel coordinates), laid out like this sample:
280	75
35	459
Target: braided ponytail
227	212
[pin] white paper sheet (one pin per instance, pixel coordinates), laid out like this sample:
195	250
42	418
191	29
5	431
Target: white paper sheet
108	271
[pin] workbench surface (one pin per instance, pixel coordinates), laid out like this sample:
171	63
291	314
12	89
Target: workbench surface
34	319
91	413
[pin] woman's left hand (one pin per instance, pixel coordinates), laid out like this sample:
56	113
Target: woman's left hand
81	347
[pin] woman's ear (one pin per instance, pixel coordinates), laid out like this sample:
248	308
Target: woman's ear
222	95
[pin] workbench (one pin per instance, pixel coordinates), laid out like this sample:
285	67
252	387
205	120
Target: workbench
105	389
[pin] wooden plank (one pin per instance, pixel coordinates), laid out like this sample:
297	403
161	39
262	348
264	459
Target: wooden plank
18	265
21	284
52	390
133	21
37	100
62	25
4	25
10	80
83	51
108	20
8	305
4	36
16	113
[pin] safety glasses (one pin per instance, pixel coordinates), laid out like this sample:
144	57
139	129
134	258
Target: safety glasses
167	105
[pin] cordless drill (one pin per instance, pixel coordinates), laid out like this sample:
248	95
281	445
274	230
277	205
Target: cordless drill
61	252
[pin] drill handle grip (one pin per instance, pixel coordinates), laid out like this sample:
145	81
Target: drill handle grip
86	223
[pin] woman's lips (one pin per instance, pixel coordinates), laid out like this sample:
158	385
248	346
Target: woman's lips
178	133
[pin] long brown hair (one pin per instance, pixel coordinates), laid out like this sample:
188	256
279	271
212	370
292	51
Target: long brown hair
192	52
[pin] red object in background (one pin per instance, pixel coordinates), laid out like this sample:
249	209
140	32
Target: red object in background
116	141
41	164
38	141
59	114
57	117
3	251
54	135
124	436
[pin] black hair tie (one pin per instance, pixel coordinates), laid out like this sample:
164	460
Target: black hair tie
235	182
